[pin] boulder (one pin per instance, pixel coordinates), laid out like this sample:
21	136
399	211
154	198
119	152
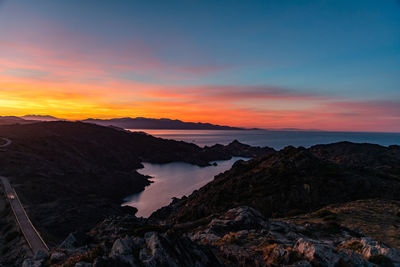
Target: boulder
236	219
317	252
83	264
57	256
69	243
123	249
173	250
373	248
40	255
31	263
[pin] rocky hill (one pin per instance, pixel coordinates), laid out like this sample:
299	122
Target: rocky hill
65	172
8	120
294	180
148	123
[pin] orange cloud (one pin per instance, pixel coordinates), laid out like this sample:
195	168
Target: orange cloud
115	98
75	85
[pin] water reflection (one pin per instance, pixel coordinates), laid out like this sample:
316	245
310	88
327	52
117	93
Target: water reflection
173	180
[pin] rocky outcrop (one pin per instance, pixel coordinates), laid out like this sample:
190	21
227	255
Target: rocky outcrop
238	237
379	159
122	249
376	218
235	149
150	249
287	182
280	243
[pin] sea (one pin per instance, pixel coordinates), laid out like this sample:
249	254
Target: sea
178	179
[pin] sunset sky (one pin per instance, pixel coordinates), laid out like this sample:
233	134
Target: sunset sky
331	65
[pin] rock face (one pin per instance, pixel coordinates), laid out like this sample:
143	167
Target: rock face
238	237
376	218
241	218
122	249
291	181
277	243
140	248
69	243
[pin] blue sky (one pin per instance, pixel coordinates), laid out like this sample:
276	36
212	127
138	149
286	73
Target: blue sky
337	51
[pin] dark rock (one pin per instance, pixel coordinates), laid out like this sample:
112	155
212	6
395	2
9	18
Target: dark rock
57	256
129	210
237	219
69	243
291	181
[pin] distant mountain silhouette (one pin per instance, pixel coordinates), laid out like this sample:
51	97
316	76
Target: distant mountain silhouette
126	123
146	123
6	120
40	118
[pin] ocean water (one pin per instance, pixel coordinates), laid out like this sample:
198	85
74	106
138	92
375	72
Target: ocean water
274	139
178	179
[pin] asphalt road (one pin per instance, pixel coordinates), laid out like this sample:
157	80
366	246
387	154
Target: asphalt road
32	236
7	142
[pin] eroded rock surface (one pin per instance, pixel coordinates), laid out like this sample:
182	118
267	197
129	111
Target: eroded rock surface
238	237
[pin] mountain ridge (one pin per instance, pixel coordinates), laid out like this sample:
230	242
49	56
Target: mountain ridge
125	122
162	123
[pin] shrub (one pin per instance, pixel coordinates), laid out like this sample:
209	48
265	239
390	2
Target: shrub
353	245
381	260
73	260
331	217
5	250
94	253
343	263
331	227
294	212
11	236
324	213
148	228
89	257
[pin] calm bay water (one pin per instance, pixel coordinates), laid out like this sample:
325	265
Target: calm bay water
178	179
172	180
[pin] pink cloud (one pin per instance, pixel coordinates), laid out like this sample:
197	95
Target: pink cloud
72	56
87	81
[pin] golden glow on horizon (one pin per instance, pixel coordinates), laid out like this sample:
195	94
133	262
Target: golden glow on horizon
24	96
122	68
74	94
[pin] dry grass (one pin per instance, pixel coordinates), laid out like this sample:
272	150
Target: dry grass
376	218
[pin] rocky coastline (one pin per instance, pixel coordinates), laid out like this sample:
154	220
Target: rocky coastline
321	206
